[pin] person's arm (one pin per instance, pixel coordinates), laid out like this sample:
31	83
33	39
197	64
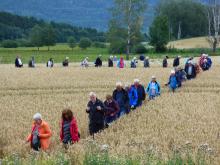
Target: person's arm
61	131
48	132
144	94
88	108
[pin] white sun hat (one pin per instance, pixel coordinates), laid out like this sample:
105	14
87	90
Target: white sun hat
37	116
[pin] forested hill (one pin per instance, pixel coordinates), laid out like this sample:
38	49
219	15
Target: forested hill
85	13
16	27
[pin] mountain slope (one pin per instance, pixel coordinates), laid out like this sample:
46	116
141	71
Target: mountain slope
85	13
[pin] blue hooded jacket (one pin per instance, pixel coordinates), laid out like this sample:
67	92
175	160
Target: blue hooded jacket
173	82
133	96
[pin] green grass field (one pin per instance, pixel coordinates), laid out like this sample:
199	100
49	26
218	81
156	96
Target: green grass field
60	51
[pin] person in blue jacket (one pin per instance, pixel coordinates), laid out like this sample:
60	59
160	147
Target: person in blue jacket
153	88
140	91
133	96
172	81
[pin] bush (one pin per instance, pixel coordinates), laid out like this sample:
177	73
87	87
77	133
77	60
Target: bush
9	44
140	49
85	43
24	43
99	45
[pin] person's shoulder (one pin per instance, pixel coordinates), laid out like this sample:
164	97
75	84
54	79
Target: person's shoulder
44	124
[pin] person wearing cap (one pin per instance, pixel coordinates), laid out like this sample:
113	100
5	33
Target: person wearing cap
112	109
134	62
133	95
85	62
172	81
190	70
69	133
121	63
40	134
98	61
165	63
176	61
120	95
110	61
205	62
95	109
140	90
66	62
153	88
18	62
146	62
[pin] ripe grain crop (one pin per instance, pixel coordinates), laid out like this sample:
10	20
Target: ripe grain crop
189	116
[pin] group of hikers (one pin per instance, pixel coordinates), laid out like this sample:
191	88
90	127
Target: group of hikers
122	101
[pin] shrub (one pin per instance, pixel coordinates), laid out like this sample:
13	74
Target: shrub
9	44
85	43
99	45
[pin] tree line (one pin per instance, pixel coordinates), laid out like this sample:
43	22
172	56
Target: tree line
30	31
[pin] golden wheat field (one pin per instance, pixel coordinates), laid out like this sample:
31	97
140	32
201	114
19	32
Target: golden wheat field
190	116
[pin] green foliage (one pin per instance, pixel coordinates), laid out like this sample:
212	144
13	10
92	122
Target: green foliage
49	36
9	44
118	47
99	45
85	43
126	24
140	49
72	42
159	33
191	15
36	36
16	27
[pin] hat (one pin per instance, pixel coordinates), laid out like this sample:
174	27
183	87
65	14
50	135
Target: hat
153	77
147	57
37	116
119	84
136	80
67	58
172	72
179	56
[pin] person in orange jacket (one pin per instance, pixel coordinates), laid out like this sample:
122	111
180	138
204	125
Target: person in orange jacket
40	134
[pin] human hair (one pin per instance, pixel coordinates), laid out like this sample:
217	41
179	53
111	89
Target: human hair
67	115
109	97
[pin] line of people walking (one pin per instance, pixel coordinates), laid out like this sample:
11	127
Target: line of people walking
122	101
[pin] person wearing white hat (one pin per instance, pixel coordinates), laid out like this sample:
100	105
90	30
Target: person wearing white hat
66	62
172	81
40	134
153	88
134	62
190	70
140	91
120	95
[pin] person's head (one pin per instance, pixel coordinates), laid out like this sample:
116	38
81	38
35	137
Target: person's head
100	56
172	72
92	96
147	58
67	58
121	58
87	58
136	82
37	118
119	85
179	57
166	57
109	98
67	115
153	78
51	59
111	57
127	85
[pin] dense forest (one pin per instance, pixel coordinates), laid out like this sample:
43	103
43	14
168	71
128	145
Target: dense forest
14	27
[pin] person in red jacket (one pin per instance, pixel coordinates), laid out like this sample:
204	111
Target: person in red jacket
69	129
